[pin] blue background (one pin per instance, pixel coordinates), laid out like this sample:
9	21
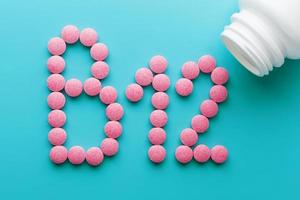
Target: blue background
259	124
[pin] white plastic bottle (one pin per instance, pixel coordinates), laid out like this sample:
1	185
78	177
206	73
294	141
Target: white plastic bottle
263	33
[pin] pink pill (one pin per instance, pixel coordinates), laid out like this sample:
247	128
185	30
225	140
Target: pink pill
113	129
219	76
56	82
209	108
158	118
100	70
219	154
158	64
73	87
108	95
92	86
88	37
114	111
201	153
109	146
94	156
200	123
184	154
190	70
184	87
56	64
99	51
157	136
56	46
161	82
206	63
58	154
57	136
188	137
56	100
218	93
134	92
144	76
157	153
160	100
76	155
70	34
57	118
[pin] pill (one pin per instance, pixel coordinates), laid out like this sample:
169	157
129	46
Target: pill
157	136
114	111
201	153
219	154
56	64
113	129
56	46
184	87
108	95
206	63
158	118
76	155
94	156
57	136
161	82
160	100
56	82
190	70
188	137
219	76
70	34
92	86
144	76
158	64
57	118
100	70
184	154
88	37
134	92
56	100
109	146
209	108
58	154
157	153
218	93
99	51
73	87
200	123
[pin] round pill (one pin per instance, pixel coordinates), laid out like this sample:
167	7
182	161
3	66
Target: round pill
113	129
57	118
100	69
184	154
94	156
206	63
56	64
88	37
188	137
56	82
158	118
134	92
157	153
184	87
201	153
99	51
209	108
70	34
144	76
161	82
108	95
158	64
200	123
76	155
219	154
57	136
114	111
190	70
219	76
157	136
73	87
56	100
56	46
160	100
92	86
109	146
58	154
218	93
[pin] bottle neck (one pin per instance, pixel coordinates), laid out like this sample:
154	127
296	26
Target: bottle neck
254	43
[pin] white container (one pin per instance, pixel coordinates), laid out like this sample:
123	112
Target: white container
263	33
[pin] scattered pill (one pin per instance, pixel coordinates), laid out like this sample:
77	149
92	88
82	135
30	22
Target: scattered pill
200	123
161	82
190	70
209	108
184	154
113	129
92	86
88	37
73	87
158	118
99	51
58	154
160	100
219	154
114	111
100	69
184	87
70	34
56	64
76	155
201	153
218	93
56	46
157	153
56	82
108	95
157	136
158	64
188	137
144	76
134	92
94	156
219	76
56	100
109	146
57	118
57	136
206	63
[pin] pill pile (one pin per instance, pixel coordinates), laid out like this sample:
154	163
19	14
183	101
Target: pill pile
60	87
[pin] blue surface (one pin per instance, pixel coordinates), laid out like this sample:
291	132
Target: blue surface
259	123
